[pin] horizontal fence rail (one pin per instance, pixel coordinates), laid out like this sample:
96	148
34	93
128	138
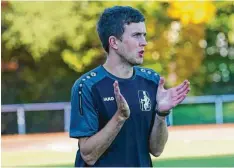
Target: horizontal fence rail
66	107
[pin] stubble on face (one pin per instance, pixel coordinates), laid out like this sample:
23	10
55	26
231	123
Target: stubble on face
130	45
130	60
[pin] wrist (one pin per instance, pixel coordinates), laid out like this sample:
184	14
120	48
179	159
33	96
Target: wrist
161	118
120	117
162	113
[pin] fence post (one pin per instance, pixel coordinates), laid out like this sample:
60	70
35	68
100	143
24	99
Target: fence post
21	121
219	110
67	113
171	117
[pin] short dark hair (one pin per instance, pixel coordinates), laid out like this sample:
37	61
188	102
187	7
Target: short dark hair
112	21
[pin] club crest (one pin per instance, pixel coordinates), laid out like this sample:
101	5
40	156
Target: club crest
144	99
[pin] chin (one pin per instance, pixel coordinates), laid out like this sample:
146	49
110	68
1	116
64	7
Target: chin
137	63
140	62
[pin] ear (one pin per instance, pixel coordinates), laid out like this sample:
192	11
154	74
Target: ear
113	42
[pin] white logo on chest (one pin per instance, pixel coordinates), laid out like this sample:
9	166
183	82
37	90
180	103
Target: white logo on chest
108	98
144	99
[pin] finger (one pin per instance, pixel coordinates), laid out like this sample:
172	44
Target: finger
116	87
185	92
119	97
161	82
116	90
174	93
122	101
183	89
180	99
182	85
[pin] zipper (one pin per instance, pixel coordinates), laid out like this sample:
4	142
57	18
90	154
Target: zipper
80	103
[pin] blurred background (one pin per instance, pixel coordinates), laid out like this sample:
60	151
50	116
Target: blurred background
46	46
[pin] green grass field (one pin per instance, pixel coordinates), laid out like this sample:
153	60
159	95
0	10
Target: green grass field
205	161
208	161
211	161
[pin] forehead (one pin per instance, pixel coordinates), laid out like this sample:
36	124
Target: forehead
135	27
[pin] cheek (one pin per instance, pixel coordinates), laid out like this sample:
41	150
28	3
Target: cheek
130	45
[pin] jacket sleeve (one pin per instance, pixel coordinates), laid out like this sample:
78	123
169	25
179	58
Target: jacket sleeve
84	118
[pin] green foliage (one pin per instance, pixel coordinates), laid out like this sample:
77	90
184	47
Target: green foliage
41	27
53	43
216	72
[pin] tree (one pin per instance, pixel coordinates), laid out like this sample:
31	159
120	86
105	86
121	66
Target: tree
217	69
46	46
48	37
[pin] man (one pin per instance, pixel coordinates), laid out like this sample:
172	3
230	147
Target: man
118	110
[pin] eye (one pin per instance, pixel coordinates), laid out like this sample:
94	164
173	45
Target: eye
137	35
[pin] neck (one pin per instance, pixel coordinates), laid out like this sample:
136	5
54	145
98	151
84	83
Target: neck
118	66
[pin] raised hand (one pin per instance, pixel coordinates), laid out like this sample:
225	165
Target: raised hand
167	99
122	105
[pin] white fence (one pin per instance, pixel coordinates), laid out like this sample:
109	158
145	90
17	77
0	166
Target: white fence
20	109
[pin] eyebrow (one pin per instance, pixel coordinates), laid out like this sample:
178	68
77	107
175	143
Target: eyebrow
135	33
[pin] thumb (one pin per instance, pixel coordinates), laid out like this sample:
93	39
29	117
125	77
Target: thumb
116	87
161	83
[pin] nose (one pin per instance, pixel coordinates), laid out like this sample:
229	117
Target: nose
143	42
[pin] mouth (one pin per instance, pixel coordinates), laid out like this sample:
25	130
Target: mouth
141	53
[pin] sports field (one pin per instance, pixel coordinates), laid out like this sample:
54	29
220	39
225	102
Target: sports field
188	146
